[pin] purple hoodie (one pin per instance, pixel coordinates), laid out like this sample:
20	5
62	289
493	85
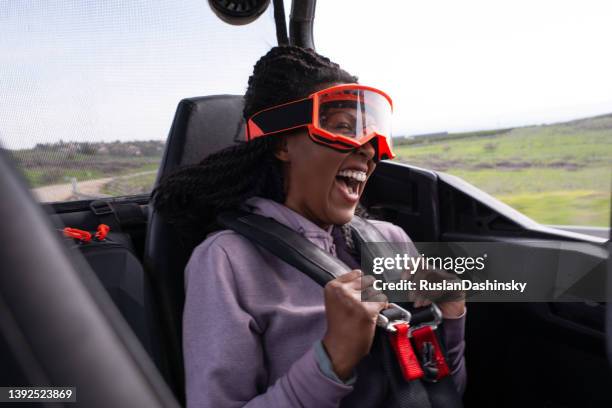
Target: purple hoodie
252	325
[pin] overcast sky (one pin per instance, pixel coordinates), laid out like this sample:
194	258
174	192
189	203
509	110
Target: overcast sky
108	70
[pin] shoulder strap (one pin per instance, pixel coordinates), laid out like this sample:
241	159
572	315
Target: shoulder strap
286	244
365	232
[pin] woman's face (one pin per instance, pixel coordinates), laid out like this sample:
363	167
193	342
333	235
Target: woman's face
322	184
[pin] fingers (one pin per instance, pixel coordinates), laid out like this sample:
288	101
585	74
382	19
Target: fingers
355	280
377	303
375	299
350	276
359	287
345	283
364	287
366	282
370	294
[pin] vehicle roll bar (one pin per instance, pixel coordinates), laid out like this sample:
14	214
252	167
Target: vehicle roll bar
301	22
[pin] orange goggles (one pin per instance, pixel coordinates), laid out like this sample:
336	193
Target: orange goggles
343	117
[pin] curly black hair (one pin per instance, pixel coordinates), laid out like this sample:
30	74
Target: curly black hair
191	197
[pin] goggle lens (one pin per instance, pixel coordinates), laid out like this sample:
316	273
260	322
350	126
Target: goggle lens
355	114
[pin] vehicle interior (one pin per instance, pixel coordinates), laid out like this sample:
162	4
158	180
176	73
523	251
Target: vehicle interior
66	318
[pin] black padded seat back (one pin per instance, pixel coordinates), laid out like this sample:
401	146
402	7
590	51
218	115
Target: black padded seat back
201	126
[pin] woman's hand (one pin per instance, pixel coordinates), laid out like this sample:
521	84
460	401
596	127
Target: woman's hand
351	322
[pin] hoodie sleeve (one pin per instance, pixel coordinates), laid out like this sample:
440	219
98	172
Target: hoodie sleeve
222	347
453	329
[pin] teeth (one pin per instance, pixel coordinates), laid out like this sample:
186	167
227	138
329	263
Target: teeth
354	174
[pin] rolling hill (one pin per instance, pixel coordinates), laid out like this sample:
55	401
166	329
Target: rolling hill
556	174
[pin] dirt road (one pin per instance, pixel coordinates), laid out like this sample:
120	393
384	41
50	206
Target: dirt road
84	189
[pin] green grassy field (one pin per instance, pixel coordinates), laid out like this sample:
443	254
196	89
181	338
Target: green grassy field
41	170
140	184
555	174
41	177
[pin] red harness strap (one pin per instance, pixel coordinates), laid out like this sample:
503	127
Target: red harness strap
102	232
424	335
408	361
77	234
85	236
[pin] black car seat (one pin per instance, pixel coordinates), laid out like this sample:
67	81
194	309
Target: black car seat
201	126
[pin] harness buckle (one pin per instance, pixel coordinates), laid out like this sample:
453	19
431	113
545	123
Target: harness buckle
396	314
415	342
426	343
432	317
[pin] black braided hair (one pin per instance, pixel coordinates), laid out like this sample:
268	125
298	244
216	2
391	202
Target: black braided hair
191	197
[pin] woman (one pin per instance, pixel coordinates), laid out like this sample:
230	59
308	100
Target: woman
257	332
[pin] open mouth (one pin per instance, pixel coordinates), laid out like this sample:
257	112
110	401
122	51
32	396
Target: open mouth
350	183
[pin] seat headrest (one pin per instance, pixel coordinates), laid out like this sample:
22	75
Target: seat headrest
202	125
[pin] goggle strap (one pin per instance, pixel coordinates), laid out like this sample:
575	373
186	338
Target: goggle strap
287	116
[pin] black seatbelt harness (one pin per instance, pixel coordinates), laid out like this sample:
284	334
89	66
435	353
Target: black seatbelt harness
412	357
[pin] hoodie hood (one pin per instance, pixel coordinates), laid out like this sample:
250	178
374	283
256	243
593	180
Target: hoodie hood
285	215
